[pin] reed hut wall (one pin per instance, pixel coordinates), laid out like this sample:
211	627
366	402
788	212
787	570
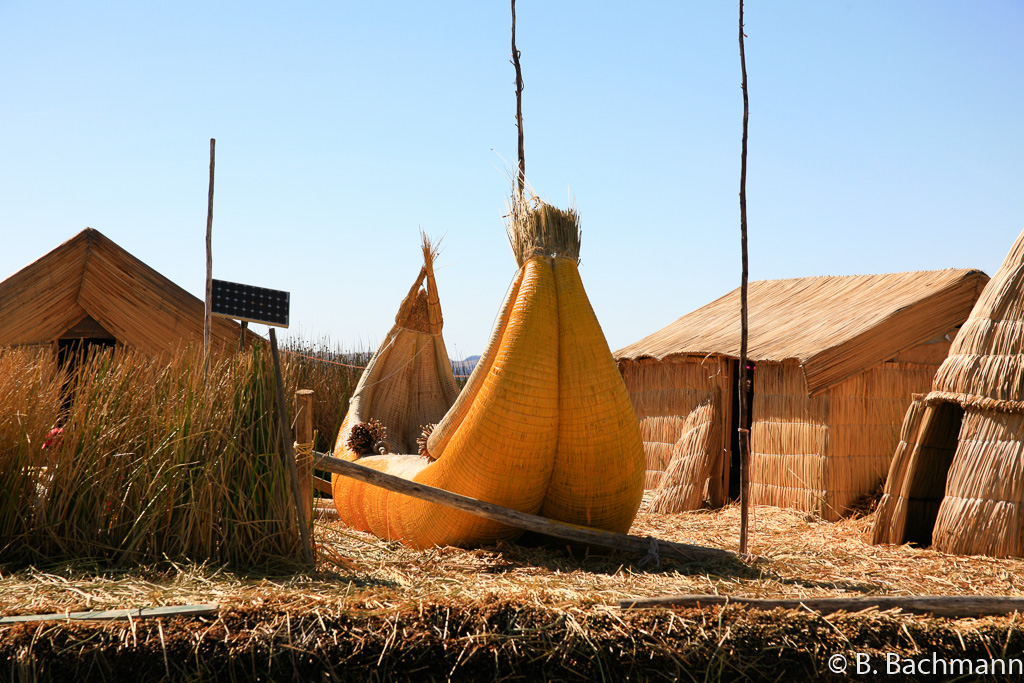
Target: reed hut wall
820	453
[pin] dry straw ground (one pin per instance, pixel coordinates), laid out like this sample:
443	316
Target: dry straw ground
376	610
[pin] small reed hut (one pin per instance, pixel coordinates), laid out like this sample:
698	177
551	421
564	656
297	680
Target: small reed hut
89	291
957	477
834	363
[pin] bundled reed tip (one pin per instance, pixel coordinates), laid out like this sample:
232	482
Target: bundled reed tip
431	250
424	437
366	436
536	228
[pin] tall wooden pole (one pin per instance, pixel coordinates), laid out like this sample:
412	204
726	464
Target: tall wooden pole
744	379
209	260
521	179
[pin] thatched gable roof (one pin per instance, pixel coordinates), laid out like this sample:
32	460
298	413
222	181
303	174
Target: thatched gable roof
834	326
92	284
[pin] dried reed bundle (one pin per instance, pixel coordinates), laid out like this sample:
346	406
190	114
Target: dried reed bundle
694	457
891	516
537	229
663	394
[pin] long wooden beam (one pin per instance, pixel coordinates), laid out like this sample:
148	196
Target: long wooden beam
652	547
133	613
953	606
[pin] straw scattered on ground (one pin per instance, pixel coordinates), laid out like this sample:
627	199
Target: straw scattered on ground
376	610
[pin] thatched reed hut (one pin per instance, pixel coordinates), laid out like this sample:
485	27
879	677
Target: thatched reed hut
835	360
89	291
957	478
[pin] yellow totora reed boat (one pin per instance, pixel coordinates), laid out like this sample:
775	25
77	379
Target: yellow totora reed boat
544	424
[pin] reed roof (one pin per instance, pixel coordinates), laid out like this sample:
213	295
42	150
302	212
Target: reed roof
90	280
833	326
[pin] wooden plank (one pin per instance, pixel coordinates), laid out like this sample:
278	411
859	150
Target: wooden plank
110	614
952	606
652	547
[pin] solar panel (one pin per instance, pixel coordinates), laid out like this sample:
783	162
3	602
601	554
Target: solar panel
253	304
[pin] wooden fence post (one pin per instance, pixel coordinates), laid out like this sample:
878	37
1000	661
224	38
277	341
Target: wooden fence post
304	446
288	449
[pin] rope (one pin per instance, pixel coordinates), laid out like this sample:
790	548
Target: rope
334	362
303	450
323	360
652	557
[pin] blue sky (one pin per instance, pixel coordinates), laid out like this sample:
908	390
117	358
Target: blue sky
884	136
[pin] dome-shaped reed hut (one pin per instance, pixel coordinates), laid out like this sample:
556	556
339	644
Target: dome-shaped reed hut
957	477
835	362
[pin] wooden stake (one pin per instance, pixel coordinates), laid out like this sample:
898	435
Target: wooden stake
652	547
304	453
521	180
111	614
209	261
243	325
289	453
744	380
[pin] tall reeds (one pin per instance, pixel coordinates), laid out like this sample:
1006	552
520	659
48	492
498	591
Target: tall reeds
157	460
332	374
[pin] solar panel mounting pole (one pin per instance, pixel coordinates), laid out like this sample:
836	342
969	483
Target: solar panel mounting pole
209	263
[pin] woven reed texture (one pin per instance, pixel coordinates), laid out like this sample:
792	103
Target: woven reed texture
820	453
91	276
663	395
598	473
445	429
544	425
834	326
694	459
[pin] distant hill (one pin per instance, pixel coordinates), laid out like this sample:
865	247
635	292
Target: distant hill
465	366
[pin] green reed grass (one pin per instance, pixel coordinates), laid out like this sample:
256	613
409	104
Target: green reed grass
158	460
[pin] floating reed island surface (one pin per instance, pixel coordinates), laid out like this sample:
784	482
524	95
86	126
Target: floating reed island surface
378	610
